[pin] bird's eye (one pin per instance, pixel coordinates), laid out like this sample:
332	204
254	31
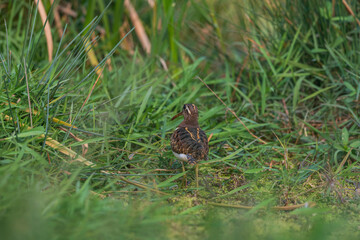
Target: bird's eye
184	107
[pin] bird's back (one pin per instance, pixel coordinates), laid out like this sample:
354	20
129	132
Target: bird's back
191	141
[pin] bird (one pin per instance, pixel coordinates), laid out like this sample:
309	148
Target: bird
189	142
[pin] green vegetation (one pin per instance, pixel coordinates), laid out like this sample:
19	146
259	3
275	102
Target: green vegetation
92	159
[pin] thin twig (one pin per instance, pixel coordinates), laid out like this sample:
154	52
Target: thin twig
92	89
281	208
239	77
233	113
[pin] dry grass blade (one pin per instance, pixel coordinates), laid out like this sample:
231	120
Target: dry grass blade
139	185
102	196
163	64
76	157
49	40
348	8
128	43
67	10
55	120
139	28
58	146
343	161
92	57
151	3
84	146
293	207
57	19
61	148
209	138
285	151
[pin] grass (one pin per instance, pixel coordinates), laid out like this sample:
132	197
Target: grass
92	158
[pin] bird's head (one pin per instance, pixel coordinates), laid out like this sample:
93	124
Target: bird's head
190	113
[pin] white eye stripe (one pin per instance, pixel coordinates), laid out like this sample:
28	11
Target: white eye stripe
187	109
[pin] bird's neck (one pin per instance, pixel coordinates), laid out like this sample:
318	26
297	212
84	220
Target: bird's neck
193	123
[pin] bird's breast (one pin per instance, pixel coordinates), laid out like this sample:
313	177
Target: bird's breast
180	156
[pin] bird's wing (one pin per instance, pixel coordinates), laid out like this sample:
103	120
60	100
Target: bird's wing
191	141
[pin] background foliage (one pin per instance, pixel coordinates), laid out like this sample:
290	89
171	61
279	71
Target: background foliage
92	157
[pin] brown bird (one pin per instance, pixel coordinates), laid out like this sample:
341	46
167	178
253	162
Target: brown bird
188	142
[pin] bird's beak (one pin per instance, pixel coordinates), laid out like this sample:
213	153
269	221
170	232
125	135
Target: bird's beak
176	116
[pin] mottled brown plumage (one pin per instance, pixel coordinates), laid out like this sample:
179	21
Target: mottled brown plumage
188	142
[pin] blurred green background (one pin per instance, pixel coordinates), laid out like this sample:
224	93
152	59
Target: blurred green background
86	103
